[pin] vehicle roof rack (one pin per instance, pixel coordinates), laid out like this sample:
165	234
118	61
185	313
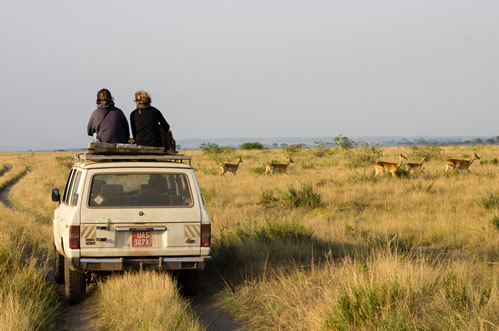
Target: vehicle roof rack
179	158
104	152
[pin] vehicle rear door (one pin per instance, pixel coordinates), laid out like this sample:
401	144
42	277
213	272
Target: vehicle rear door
140	212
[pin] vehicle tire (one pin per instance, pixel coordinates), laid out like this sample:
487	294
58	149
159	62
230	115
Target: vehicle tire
74	284
189	282
59	267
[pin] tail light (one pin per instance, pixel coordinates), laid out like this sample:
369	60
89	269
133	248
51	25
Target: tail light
205	235
74	236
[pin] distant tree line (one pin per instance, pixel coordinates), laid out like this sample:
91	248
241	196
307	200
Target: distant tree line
346	143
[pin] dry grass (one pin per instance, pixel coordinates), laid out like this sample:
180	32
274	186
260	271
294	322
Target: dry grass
286	262
417	252
28	300
143	301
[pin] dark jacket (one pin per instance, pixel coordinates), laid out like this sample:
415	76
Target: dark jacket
109	123
146	124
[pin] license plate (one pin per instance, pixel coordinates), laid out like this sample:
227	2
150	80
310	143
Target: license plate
141	239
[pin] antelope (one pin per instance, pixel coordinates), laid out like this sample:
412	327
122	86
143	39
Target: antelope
381	166
272	168
229	167
410	166
460	164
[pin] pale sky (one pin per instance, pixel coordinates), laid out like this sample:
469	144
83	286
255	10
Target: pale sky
269	68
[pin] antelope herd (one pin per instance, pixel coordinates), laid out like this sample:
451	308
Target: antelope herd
381	166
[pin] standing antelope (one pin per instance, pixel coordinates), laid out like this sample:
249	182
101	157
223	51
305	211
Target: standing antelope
381	167
460	164
272	168
410	166
229	167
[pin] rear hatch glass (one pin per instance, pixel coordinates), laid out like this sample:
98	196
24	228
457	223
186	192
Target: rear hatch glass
140	190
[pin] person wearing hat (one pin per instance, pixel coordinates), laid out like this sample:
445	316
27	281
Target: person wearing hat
108	121
148	124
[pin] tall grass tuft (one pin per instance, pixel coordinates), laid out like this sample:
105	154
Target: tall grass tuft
27	300
143	301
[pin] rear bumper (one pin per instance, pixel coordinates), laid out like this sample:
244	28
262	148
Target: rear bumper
133	263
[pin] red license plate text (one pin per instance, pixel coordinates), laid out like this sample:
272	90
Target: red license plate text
141	239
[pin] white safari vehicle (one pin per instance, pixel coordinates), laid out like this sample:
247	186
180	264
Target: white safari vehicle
129	212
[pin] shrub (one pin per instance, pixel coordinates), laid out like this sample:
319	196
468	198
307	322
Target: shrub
344	142
428	151
255	145
402	172
491	202
364	156
210	148
495	222
258	170
304	197
268	197
215	152
321	149
291	149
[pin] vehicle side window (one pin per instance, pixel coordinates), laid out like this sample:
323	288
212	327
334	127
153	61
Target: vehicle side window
68	185
74	190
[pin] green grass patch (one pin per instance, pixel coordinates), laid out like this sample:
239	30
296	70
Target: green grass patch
372	307
491	202
208	194
495	222
258	170
303	197
268	198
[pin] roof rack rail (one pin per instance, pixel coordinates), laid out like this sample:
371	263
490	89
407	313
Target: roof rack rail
103	152
177	158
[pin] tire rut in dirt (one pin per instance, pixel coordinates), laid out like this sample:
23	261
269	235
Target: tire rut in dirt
211	315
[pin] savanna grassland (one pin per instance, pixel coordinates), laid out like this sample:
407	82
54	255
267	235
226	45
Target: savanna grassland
325	246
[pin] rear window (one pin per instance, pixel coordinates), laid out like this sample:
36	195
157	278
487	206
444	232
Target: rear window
140	190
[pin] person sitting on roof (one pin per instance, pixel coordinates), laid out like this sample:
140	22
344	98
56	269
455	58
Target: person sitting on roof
108	121
149	127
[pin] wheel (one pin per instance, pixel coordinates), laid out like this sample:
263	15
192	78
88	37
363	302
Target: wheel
74	284
189	282
59	267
